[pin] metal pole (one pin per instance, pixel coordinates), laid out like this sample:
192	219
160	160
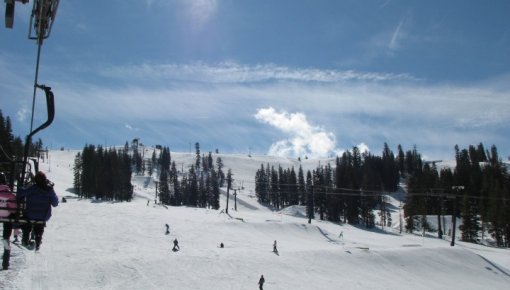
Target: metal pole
156	196
439	227
228	191
39	45
310	206
400	217
35	84
454	220
456	190
235	199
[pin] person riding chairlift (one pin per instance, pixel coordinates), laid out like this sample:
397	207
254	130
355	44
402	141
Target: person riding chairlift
40	197
7	210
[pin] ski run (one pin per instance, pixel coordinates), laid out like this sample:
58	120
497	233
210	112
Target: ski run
103	245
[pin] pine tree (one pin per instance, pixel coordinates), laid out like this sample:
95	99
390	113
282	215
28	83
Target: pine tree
470	221
164	190
389	170
274	191
192	194
310	212
152	167
137	160
221	175
401	161
230	181
197	158
301	188
174	179
77	169
103	174
215	190
203	192
6	136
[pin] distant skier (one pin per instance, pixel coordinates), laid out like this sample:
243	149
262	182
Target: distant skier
274	247
167	229
222	246
176	246
40	197
261	282
148	202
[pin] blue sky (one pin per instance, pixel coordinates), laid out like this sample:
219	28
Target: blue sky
281	77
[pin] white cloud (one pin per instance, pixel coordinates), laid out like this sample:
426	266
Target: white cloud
363	148
130	128
21	114
304	139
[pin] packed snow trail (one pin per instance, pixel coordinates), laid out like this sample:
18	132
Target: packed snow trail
92	245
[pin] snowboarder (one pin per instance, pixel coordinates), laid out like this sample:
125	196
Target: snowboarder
261	282
176	246
7	209
40	197
274	247
167	229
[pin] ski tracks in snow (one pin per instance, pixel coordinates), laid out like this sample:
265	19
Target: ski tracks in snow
40	272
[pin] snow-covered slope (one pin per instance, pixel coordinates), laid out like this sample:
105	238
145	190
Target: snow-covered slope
101	245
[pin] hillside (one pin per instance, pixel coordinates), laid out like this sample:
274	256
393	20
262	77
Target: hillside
103	245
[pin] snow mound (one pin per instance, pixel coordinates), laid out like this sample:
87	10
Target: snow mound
295	211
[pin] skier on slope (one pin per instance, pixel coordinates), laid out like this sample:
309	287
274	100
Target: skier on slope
176	245
261	282
7	210
167	229
40	197
274	247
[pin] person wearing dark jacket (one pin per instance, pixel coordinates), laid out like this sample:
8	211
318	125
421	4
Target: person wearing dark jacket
261	282
176	245
39	198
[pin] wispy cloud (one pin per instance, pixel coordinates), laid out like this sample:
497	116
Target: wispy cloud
397	35
400	32
230	72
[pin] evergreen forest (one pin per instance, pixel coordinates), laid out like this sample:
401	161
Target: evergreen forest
476	190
